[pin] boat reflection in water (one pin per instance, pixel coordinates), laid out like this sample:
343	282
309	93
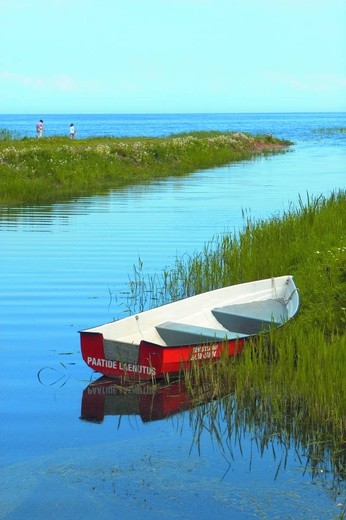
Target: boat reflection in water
222	417
148	400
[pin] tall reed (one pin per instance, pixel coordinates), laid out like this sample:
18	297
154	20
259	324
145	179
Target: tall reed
289	384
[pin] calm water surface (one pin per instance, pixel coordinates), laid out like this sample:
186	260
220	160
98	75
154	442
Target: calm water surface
66	267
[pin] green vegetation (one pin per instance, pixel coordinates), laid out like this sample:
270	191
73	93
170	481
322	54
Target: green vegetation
7	135
34	171
288	386
332	131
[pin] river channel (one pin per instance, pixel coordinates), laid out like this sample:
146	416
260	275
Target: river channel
66	267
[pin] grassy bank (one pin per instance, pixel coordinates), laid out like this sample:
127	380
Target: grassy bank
289	386
43	170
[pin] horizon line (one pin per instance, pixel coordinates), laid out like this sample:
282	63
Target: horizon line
173	113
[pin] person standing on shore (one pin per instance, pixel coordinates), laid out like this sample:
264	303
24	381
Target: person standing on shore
39	128
72	131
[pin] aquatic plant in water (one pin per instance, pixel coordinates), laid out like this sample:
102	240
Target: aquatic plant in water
288	386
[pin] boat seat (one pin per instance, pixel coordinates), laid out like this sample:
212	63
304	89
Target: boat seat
251	318
175	333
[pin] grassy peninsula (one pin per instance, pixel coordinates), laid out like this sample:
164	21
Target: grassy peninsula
288	386
35	171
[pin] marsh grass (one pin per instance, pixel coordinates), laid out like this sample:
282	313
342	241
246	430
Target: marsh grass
331	131
7	135
57	168
288	386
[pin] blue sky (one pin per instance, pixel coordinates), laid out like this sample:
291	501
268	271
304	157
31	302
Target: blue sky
159	56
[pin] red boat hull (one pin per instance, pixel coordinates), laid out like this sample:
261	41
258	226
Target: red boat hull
154	361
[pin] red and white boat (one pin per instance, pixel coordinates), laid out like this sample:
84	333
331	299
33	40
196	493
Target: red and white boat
171	338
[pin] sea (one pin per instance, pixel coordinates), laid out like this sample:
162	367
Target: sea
295	126
68	266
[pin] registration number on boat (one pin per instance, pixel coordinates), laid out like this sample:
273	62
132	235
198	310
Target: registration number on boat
204	352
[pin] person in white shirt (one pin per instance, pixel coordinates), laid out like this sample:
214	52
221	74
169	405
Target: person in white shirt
72	131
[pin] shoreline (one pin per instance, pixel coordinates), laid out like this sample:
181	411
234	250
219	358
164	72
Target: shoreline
54	169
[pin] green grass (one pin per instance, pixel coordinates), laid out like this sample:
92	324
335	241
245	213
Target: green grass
35	171
288	386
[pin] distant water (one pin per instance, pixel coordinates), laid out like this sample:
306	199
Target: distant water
297	126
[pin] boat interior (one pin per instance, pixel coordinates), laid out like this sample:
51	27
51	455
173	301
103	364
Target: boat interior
219	324
237	321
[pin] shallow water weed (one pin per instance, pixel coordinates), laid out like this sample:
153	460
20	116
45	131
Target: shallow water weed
340	130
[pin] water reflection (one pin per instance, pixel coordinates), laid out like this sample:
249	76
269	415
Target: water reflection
229	421
147	400
229	424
